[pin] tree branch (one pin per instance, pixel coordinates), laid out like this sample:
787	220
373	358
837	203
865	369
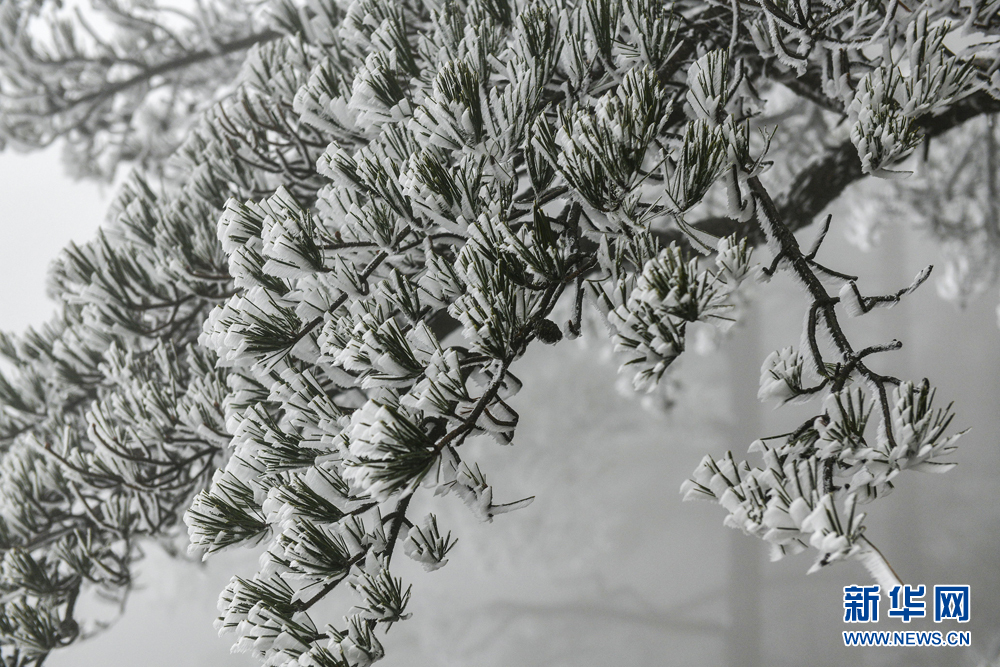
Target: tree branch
170	66
824	178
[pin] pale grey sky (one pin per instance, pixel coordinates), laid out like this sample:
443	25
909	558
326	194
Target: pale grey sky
42	211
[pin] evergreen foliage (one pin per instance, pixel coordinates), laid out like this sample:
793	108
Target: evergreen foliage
297	331
117	80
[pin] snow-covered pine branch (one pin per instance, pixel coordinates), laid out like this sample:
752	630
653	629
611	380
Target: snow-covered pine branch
117	82
365	236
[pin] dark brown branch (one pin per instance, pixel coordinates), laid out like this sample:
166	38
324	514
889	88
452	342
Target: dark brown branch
824	178
771	223
812	190
183	62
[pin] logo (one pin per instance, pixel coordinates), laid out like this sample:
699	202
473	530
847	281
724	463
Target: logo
951	602
906	602
860	604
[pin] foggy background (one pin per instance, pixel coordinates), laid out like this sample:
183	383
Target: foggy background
608	566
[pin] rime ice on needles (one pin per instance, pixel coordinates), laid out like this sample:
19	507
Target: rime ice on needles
781	376
806	492
888	102
426	545
649	313
384	175
121	82
811	480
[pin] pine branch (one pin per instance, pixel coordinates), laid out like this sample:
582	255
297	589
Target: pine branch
826	177
772	225
192	58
